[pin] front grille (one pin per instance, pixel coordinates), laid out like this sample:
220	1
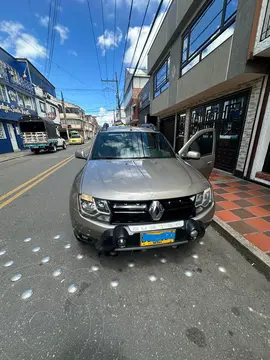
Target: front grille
138	212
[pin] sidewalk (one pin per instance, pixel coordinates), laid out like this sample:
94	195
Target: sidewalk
14	155
244	207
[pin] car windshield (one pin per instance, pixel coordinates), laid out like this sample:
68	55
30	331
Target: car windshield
131	145
75	137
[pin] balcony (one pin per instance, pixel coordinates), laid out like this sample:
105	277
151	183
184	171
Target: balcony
11	76
262	45
266	24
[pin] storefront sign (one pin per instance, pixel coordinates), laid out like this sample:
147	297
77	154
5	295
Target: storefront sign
14	109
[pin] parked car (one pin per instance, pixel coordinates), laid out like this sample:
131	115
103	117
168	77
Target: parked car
40	134
134	192
76	140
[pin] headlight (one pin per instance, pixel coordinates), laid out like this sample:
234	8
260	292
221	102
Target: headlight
203	199
94	207
87	205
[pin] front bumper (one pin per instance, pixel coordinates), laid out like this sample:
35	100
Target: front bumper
106	237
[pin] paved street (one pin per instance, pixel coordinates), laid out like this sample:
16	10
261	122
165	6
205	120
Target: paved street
59	300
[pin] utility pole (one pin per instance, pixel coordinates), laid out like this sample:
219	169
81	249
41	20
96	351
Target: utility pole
117	94
64	113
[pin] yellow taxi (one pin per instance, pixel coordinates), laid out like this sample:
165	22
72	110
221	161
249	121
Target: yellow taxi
76	140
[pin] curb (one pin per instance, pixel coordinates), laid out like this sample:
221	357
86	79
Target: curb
255	256
13	158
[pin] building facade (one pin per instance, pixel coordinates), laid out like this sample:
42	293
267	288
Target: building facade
203	74
258	168
91	126
45	97
144	106
16	99
132	89
75	120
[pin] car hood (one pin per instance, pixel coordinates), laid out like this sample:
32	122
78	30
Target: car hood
141	179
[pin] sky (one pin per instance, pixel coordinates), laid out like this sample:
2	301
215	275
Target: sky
74	67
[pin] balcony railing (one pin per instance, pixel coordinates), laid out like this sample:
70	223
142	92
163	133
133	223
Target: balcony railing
266	24
10	75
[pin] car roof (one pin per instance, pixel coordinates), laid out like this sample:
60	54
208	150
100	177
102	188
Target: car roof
128	128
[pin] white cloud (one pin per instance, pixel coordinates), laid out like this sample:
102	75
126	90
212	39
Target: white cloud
18	42
104	116
44	20
133	37
72	52
63	32
109	41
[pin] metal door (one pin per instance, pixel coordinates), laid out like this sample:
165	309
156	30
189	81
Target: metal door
12	137
180	131
227	116
167	128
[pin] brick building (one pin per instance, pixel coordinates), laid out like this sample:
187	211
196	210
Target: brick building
133	87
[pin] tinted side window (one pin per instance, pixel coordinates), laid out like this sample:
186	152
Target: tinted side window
204	144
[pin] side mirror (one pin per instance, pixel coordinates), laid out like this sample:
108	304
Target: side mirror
79	154
192	155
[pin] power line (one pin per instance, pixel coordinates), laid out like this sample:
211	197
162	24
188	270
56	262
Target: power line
55	19
94	37
129	19
161	20
148	36
48	37
43	54
103	24
114	34
145	13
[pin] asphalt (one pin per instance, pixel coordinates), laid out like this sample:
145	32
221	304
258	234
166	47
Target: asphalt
201	301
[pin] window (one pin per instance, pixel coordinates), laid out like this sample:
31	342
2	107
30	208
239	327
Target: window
131	145
28	101
53	111
2	131
266	23
3	93
161	78
20	100
203	145
42	107
3	71
204	35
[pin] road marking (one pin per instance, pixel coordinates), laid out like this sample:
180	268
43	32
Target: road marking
47	174
33	179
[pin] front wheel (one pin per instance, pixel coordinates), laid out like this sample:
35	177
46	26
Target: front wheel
64	146
36	151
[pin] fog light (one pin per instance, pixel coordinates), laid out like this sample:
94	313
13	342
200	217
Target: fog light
194	234
121	242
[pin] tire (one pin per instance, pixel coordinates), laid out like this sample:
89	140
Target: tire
54	148
36	151
64	146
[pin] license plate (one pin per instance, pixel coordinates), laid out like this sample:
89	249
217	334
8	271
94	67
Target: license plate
157	237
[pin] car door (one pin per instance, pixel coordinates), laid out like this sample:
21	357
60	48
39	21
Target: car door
204	142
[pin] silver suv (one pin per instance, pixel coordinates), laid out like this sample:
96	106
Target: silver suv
134	192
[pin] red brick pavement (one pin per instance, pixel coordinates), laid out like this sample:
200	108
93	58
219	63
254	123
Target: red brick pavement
244	206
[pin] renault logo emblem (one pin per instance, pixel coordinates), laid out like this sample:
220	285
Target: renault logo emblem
156	210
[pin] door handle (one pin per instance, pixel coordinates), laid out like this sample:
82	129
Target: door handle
209	162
